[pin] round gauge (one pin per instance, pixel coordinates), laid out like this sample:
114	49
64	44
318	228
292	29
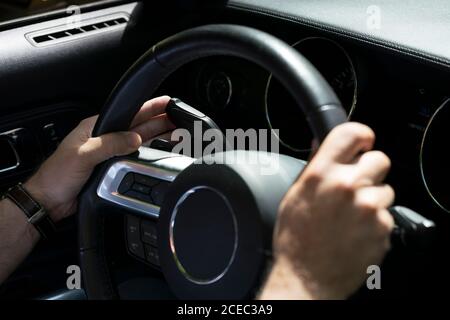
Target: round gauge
435	157
284	114
219	90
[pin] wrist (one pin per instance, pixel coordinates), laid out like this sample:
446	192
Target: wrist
284	283
288	281
38	191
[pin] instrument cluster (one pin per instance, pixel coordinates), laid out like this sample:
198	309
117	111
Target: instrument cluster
239	94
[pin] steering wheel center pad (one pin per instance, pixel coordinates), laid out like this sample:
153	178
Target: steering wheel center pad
203	234
235	215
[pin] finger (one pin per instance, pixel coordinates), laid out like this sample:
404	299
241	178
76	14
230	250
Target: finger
88	122
346	141
150	109
153	127
376	197
99	149
85	127
371	168
386	220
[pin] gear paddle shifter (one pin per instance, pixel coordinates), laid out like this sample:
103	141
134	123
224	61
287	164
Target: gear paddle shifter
183	116
413	230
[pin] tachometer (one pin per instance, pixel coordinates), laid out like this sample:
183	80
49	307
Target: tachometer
282	112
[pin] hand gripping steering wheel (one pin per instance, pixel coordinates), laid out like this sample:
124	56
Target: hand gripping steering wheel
215	221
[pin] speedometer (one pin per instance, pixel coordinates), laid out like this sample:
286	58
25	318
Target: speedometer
284	114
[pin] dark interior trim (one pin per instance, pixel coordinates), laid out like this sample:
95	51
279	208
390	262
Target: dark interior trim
322	26
15	23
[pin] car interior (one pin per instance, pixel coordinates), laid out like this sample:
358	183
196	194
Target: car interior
236	62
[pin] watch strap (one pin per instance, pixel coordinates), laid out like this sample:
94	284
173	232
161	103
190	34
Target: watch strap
34	211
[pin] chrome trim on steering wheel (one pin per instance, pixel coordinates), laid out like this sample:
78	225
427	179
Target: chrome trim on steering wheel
180	266
165	169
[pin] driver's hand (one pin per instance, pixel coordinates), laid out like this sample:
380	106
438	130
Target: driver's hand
60	178
333	223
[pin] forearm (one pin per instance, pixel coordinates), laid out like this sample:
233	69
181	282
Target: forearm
17	238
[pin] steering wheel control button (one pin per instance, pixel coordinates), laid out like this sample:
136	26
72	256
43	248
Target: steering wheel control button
203	235
145	180
141	188
142	240
139	196
159	191
133	237
136	249
149	233
126	183
152	255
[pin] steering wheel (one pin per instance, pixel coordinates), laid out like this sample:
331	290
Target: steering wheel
211	219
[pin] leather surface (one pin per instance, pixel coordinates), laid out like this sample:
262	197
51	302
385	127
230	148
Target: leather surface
96	277
415	27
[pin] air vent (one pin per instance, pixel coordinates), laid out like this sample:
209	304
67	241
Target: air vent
84	28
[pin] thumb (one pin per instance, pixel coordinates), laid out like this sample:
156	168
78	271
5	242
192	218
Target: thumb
99	149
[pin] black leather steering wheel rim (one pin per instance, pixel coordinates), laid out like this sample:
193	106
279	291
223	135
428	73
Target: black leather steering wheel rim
309	89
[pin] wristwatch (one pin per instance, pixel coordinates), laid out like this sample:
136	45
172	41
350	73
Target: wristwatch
35	212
